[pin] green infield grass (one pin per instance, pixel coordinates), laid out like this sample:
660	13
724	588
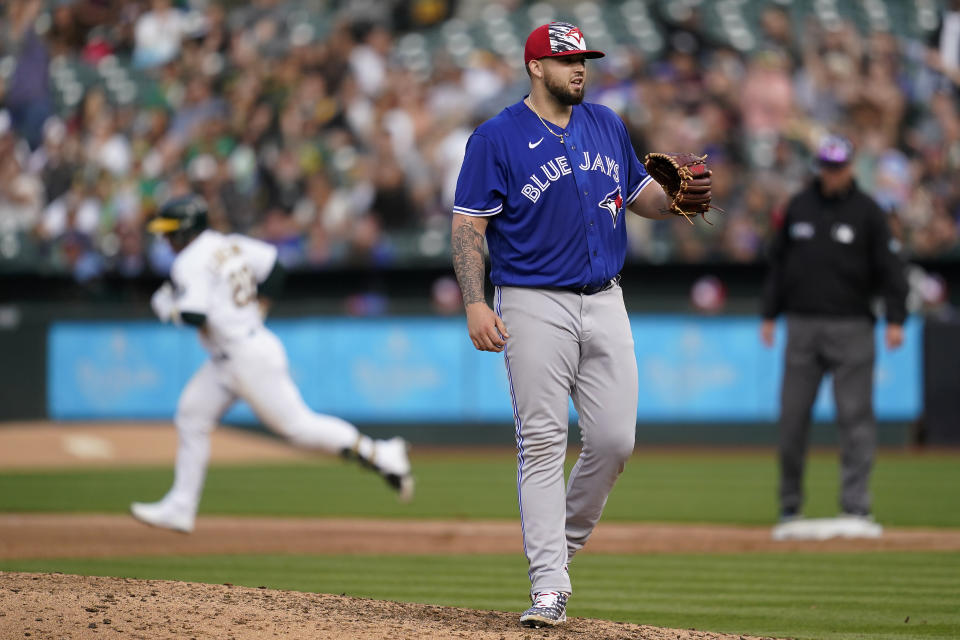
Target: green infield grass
797	595
804	595
917	490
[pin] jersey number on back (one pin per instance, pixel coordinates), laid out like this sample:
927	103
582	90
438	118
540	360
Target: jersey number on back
244	286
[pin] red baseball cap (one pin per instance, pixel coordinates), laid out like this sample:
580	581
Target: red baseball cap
557	39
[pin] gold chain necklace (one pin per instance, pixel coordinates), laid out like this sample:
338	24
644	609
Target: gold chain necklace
559	135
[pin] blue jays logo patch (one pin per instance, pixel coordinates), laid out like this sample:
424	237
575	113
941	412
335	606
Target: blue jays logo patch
565	37
612	202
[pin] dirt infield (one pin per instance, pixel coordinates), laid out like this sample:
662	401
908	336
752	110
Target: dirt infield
43	536
39	445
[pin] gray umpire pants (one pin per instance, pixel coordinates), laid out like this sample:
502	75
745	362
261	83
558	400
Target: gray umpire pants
567	345
844	347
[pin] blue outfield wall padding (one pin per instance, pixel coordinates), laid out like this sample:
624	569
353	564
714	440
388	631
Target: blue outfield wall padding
697	369
425	370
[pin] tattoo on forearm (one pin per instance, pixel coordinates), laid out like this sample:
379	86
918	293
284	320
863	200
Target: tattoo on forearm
467	247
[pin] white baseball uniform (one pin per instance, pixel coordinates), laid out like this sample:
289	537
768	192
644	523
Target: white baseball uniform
217	275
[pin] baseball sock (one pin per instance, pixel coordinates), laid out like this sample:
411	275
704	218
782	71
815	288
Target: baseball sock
362	450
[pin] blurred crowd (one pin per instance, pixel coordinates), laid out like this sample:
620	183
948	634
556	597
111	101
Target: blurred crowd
319	140
758	117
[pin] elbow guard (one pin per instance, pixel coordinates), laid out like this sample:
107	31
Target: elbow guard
193	319
272	285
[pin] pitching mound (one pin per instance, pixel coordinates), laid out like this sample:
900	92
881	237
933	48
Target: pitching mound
64	606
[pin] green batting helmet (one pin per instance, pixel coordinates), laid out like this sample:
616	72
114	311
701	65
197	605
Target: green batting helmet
183	215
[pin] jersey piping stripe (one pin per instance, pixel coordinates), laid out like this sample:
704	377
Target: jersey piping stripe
478	212
636	192
517	422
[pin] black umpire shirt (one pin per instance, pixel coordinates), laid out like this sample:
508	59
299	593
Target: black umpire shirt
831	256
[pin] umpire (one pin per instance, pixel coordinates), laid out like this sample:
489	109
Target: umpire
831	256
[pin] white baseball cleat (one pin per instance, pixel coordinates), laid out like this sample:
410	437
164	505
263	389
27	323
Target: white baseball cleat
390	459
163	515
549	609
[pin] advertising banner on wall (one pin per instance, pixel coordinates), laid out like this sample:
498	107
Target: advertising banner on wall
425	370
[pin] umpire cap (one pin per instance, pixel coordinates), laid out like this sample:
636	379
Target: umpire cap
184	214
834	151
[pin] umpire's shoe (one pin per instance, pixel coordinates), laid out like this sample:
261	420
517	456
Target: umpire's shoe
549	609
391	461
164	515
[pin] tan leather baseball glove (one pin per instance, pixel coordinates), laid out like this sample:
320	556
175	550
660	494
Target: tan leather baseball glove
686	180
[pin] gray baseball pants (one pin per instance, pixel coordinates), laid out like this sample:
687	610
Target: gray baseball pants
844	347
567	345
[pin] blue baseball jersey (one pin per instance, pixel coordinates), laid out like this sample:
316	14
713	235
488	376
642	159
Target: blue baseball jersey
556	208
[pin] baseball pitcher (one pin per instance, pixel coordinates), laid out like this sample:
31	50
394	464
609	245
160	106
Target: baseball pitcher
218	285
546	183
